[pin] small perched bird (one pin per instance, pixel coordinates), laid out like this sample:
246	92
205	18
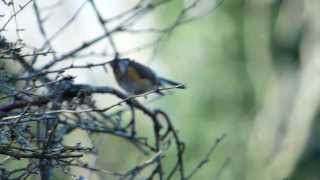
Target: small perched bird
136	78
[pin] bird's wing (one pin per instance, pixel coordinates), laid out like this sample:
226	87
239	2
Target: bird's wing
144	72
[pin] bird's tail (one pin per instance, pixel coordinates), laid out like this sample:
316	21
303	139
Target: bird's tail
164	81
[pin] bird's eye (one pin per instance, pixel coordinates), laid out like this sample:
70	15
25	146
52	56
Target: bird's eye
122	67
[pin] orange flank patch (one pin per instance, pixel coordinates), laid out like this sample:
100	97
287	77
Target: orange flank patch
138	81
133	75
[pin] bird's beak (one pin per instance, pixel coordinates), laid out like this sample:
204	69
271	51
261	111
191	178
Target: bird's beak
113	63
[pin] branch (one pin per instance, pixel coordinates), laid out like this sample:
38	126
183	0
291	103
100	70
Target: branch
206	157
14	15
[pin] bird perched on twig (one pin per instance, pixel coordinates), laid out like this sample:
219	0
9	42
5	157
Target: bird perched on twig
136	78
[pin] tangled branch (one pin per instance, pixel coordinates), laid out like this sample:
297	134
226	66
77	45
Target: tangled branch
40	104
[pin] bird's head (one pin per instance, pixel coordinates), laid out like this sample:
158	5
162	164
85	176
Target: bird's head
120	66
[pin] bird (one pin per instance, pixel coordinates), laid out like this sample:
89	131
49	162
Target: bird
136	78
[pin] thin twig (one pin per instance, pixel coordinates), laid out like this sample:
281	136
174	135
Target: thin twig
14	15
206	157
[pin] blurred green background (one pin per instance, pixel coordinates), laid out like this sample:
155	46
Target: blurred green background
247	67
208	55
